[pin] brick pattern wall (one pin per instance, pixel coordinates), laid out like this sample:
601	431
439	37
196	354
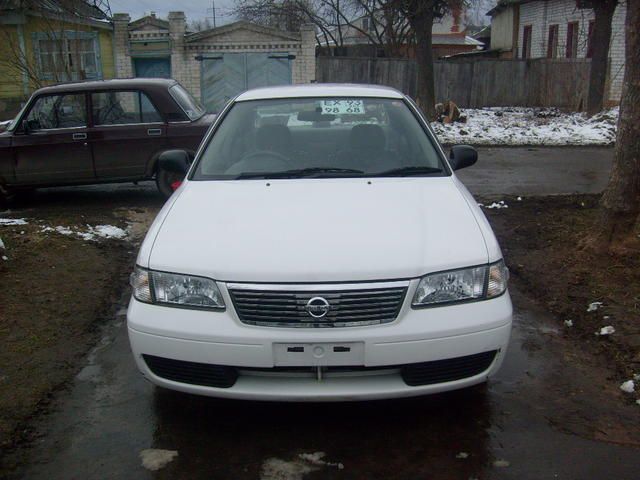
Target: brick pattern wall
542	14
186	69
121	57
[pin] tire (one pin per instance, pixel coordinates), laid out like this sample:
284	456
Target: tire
165	180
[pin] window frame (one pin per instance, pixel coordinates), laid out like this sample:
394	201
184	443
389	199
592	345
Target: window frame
527	36
573	32
590	38
139	91
65	36
552	41
35	100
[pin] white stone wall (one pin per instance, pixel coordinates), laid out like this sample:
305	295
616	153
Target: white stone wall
541	14
122	59
184	49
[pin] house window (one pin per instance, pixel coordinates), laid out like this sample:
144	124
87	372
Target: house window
572	39
552	44
526	42
592	24
67	55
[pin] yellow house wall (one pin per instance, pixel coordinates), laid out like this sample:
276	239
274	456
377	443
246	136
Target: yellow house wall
11	81
10	78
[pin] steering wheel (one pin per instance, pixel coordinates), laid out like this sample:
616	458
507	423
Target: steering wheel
269	154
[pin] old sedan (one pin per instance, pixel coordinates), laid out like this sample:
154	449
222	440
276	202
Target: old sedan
331	254
100	131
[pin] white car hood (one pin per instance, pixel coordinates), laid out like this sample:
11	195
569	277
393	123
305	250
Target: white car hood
317	230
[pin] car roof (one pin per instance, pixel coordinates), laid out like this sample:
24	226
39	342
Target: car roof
113	84
320	90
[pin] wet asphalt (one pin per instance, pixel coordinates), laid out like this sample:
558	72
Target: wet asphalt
543	416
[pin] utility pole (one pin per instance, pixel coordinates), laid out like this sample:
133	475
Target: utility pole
213	12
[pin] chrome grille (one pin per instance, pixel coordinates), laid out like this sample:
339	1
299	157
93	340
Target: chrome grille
350	305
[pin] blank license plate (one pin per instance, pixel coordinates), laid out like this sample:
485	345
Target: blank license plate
314	354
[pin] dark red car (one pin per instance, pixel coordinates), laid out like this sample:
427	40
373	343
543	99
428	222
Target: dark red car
100	132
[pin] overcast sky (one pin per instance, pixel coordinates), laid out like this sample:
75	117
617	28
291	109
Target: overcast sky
194	9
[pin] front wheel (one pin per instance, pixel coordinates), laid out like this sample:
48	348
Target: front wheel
167	182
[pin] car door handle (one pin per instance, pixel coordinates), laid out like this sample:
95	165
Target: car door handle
79	136
154	132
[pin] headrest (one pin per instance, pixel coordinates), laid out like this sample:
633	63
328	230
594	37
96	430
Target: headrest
275	138
367	137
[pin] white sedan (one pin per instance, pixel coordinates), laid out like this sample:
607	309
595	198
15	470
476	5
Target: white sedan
320	248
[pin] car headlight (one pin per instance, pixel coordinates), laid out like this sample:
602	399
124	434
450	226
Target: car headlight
175	289
465	284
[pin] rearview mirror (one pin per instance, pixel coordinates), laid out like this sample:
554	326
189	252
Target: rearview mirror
462	156
174	161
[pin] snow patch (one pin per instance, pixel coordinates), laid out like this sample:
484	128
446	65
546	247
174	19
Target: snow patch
529	126
501	463
568	323
628	387
12	221
296	469
593	306
462	455
91	233
499	204
154	459
608	330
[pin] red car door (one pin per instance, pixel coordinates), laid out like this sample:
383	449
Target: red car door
54	148
127	132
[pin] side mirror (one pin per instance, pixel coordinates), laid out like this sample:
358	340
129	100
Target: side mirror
174	161
462	156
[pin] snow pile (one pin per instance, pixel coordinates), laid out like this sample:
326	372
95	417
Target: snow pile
628	386
12	221
608	330
594	306
498	205
91	233
3	249
154	458
529	126
296	469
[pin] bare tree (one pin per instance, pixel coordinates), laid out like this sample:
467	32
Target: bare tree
63	55
395	26
200	25
619	216
603	10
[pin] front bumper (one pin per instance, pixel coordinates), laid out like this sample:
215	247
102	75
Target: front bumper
417	335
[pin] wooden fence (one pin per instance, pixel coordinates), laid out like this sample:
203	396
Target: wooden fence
473	83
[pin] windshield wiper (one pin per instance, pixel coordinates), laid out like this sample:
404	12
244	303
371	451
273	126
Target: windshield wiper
407	171
302	172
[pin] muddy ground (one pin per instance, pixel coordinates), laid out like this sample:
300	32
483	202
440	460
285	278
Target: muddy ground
56	291
541	241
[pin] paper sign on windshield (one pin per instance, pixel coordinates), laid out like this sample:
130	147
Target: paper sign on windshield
341	107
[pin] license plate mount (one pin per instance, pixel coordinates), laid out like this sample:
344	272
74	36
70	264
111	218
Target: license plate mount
318	354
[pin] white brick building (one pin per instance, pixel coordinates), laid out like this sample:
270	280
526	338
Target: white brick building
555	29
214	64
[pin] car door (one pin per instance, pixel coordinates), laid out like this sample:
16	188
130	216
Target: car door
127	131
54	148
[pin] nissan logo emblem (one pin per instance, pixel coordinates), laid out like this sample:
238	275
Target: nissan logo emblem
317	307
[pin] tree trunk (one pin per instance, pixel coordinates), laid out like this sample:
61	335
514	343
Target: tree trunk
620	203
601	40
421	20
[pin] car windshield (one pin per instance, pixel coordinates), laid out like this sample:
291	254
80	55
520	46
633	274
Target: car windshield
319	137
189	104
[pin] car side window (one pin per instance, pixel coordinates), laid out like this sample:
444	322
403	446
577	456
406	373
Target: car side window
58	111
120	108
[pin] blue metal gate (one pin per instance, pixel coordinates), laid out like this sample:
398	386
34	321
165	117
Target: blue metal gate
152	67
224	76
